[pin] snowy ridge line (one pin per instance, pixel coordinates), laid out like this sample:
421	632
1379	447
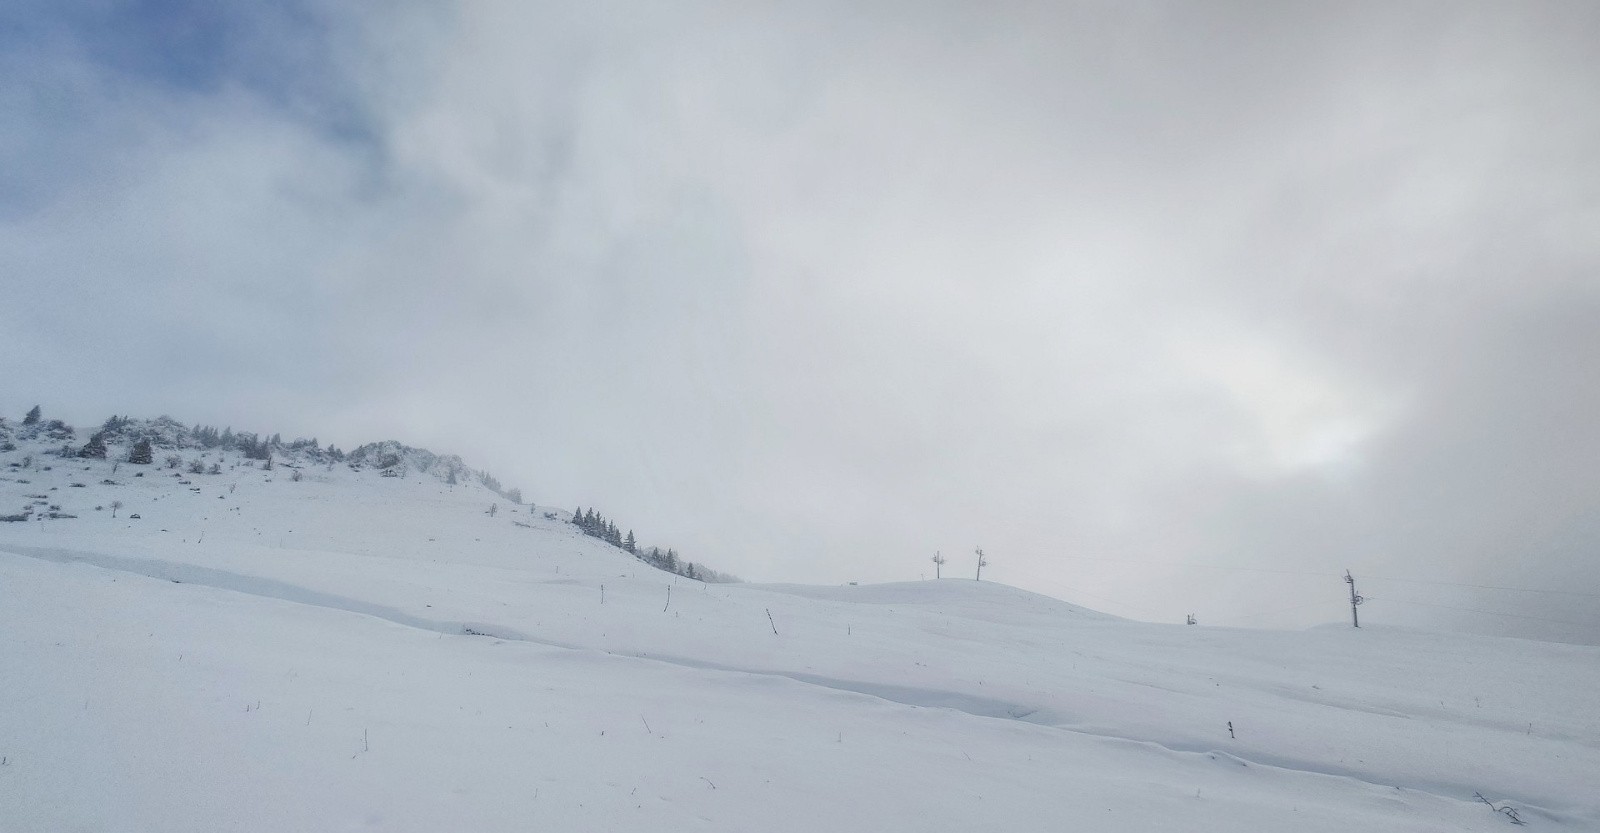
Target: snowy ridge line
265	588
915	697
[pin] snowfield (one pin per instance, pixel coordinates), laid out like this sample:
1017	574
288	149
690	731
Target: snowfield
353	651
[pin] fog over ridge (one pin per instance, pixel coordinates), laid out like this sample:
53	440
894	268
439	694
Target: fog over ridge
1170	308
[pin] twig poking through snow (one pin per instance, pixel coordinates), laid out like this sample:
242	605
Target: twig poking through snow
772	623
708	781
1505	809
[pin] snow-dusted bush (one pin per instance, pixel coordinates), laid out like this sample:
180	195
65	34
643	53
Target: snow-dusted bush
95	448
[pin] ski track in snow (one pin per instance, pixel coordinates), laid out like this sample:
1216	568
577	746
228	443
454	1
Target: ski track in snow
915	697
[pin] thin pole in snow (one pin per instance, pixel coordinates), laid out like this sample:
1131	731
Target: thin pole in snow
1355	599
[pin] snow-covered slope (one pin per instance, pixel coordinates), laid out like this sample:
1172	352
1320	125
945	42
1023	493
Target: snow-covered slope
355	651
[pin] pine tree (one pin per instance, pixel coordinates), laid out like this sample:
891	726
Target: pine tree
33	417
95	448
141	454
630	544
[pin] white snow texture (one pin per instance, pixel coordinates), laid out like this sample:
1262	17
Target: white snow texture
353	651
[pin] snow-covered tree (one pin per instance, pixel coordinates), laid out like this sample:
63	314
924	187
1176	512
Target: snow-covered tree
141	454
33	416
95	448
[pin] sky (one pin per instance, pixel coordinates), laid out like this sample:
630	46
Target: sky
1171	308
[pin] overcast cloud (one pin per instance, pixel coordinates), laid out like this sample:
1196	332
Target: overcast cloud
1126	293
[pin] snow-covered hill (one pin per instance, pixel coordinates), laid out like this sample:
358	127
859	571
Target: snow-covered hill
346	649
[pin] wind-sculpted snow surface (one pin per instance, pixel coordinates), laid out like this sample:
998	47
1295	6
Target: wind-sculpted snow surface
350	650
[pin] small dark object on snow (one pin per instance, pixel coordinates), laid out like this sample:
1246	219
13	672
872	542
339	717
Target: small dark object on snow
1504	809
